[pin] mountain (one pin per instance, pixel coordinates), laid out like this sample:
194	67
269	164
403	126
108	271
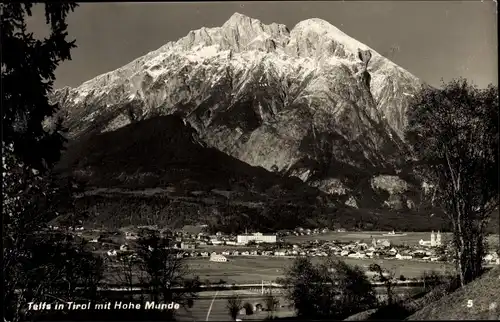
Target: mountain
311	102
158	171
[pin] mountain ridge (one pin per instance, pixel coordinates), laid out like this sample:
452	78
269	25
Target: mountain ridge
311	102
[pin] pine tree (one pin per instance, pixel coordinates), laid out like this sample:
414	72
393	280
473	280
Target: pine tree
27	78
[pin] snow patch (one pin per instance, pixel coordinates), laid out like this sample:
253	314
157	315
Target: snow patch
120	121
203	53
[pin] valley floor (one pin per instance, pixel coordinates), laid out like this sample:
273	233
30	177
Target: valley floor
240	270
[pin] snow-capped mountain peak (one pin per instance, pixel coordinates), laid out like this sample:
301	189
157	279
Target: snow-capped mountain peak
262	93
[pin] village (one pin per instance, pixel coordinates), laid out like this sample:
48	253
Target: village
221	247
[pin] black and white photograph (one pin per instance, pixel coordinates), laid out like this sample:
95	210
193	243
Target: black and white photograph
250	160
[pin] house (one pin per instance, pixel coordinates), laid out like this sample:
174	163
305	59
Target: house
256	237
236	253
383	243
399	256
112	252
124	248
344	253
357	255
94	240
226	253
245	253
425	243
187	245
218	258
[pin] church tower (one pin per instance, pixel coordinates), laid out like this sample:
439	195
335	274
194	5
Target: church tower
433	239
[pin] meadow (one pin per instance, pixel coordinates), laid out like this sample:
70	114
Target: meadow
255	269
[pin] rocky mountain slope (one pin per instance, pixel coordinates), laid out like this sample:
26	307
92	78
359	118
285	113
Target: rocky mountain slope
311	102
157	171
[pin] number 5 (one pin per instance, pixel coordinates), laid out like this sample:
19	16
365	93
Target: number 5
469	303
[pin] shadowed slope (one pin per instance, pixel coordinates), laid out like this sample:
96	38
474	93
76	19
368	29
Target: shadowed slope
478	300
165	150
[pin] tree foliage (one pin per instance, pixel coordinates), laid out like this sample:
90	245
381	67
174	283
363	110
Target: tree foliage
128	267
164	272
329	290
272	303
454	135
248	308
38	265
27	78
234	305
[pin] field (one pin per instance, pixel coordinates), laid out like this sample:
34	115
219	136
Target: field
216	304
240	270
411	238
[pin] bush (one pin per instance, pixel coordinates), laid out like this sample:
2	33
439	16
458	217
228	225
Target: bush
248	308
332	289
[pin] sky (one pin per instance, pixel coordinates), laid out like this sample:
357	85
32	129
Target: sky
434	40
